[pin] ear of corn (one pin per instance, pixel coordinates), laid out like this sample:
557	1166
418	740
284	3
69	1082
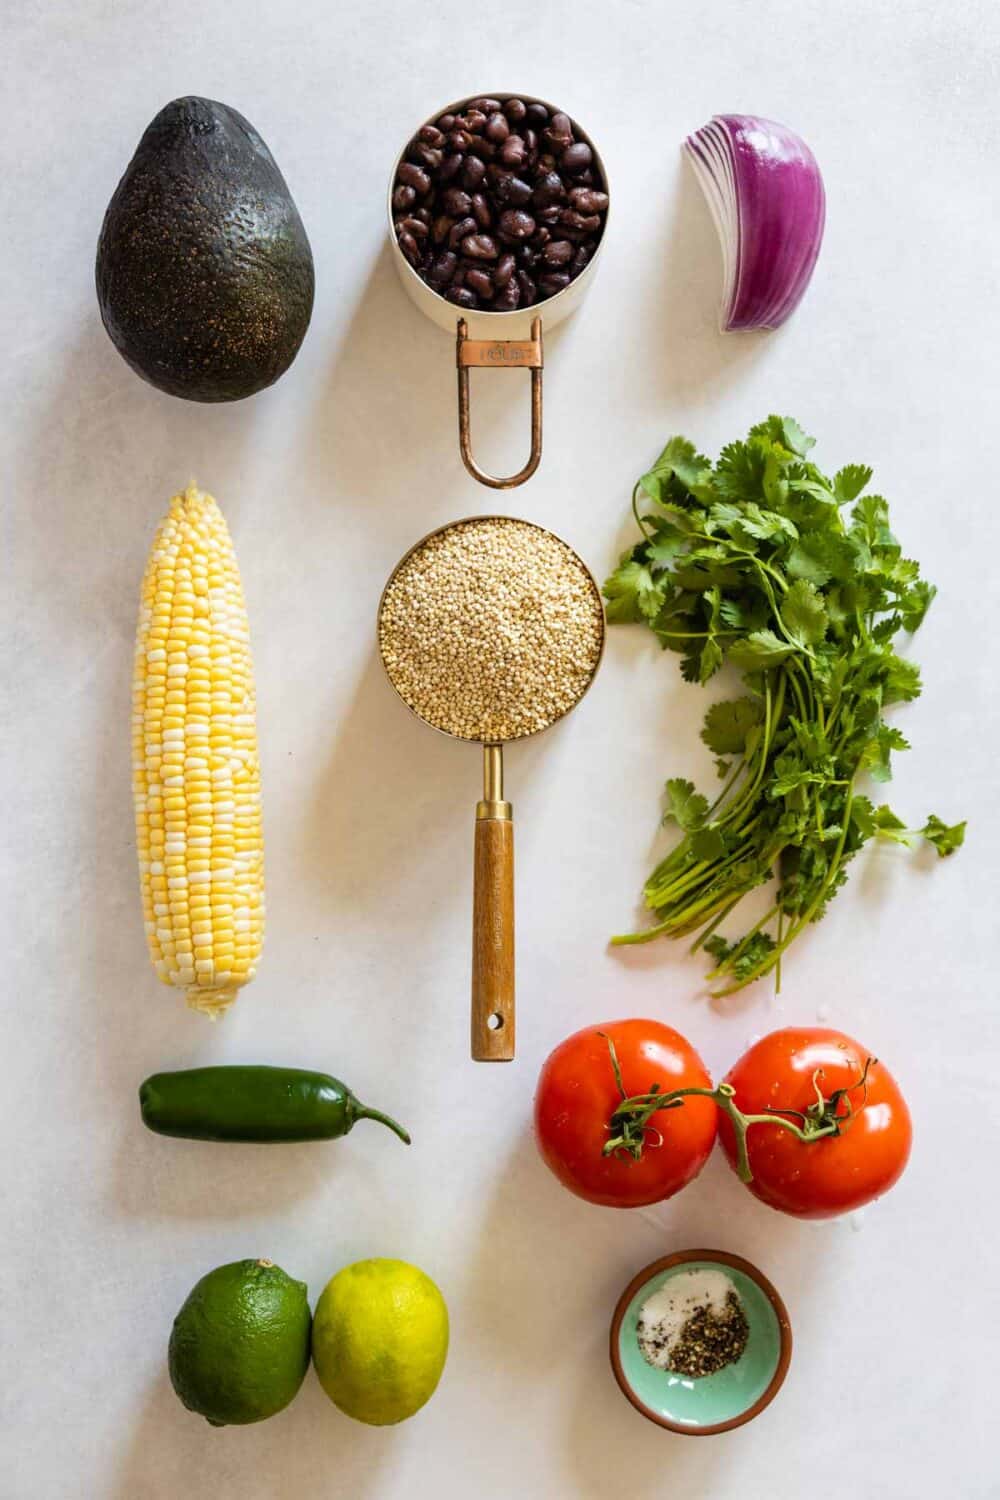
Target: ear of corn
196	775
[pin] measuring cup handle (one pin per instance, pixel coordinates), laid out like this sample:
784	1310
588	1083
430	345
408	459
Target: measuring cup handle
493	935
499	354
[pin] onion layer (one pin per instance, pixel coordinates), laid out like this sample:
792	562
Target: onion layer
766	196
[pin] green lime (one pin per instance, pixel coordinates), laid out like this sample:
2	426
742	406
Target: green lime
380	1340
239	1349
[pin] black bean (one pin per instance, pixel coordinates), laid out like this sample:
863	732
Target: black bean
455	202
442	269
497	129
507	297
431	135
459	231
458	140
554	282
541	238
485	106
588	201
446	123
581	223
450	166
577	157
473	172
531	142
481	211
414	177
481	147
550	215
423	214
506	266
527	255
474	121
403	198
416	227
529	291
461	296
408	245
580	259
441	228
479	247
558	253
479	282
559	132
512	191
427	156
514	152
515	110
515	224
537	115
587	178
548	190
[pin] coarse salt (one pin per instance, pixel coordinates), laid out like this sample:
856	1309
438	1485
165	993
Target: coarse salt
663	1315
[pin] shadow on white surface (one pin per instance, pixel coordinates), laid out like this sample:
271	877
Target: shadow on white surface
387	413
307	1449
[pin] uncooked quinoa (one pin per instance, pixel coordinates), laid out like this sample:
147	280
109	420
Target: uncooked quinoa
491	629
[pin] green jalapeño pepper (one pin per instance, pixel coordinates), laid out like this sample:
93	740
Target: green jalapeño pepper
253	1104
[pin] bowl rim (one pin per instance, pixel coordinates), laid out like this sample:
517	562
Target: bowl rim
547	303
738	1263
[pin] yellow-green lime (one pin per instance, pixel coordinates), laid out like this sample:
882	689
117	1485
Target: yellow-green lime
239	1349
380	1340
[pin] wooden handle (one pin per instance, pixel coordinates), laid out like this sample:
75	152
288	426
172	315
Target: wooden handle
493	942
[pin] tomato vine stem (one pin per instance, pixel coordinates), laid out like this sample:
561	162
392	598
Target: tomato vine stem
629	1126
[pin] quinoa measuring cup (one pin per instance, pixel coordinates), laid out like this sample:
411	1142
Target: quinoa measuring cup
497	214
491	629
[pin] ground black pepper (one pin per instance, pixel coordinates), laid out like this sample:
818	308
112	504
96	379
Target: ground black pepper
710	1341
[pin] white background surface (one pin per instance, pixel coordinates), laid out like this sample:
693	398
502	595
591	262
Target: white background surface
326	479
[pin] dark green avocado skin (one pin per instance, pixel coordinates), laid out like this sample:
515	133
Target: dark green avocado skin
204	271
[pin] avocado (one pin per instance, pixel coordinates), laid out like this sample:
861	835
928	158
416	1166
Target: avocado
204	271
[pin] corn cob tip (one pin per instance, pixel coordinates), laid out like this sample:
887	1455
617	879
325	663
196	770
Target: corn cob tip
212	1002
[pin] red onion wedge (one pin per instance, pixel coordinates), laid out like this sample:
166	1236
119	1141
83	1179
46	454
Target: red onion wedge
766	197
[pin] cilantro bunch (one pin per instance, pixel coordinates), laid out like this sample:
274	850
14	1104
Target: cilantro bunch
797	581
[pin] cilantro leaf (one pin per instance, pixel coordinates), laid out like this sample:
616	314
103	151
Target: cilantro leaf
707	844
761	649
727	724
804	613
795	438
875	757
915	603
632	593
945	840
902	680
686	807
668	543
710	660
819	556
849	481
679	461
870	521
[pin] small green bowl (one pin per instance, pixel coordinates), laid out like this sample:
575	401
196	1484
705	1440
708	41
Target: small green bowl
712	1403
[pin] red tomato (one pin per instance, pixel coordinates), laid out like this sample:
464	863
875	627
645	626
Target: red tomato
577	1096
836	1173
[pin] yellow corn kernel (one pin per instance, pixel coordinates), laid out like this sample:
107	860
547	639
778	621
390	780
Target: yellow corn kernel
196	776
